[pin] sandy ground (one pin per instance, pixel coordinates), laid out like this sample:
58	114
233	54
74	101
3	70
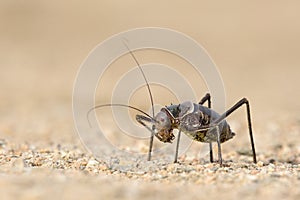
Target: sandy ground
255	45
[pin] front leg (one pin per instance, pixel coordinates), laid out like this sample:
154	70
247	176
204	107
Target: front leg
142	119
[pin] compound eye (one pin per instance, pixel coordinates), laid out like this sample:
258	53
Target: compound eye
163	119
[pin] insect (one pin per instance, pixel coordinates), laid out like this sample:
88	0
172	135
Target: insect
198	122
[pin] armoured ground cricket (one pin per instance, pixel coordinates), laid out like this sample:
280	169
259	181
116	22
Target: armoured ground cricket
197	121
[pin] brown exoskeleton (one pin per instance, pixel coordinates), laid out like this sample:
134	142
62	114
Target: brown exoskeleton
198	122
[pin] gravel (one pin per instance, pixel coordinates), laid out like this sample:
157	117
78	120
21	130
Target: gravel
32	172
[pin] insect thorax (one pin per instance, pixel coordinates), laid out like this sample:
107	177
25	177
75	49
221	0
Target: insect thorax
194	120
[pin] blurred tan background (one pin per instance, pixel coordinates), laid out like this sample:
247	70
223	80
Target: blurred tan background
255	45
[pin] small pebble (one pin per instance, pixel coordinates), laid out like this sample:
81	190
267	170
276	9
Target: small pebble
18	165
260	163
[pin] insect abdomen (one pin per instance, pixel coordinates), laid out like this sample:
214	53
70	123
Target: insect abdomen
195	125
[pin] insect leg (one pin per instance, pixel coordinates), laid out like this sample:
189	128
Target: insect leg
207	98
150	95
219	146
151	143
233	108
177	146
211	153
141	119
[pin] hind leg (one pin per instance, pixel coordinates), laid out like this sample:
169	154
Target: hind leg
231	110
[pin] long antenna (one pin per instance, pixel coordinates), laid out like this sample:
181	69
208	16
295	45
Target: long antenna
148	86
150	94
120	105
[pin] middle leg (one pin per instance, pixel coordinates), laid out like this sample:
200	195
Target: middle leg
207	98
